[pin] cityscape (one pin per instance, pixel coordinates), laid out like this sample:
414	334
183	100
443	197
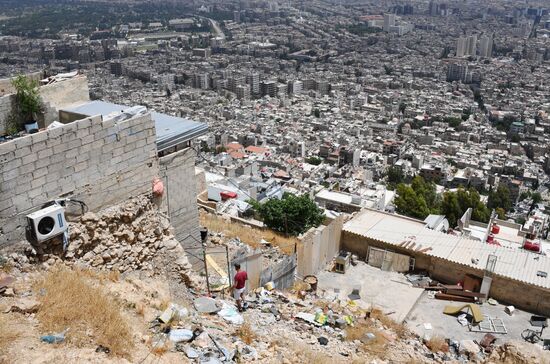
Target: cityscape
365	162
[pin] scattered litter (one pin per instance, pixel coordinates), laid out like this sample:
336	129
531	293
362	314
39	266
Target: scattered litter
229	313
270	286
102	349
248	353
179	335
474	310
487	342
428	326
206	305
171	312
191	353
492	302
462	319
489	324
322	340
509	310
354	295
308	317
54	338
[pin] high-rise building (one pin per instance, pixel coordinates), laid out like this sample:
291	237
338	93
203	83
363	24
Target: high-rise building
486	46
433	8
237	16
461	46
295	87
457	72
466	46
472	45
389	21
243	92
253	79
269	88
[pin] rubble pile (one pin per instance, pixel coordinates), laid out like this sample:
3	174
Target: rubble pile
124	237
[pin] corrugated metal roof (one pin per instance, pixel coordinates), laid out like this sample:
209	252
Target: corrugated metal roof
401	231
170	130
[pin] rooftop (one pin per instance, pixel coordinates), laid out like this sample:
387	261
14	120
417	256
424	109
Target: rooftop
511	263
171	130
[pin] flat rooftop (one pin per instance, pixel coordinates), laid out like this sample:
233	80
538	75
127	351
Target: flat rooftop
171	130
397	230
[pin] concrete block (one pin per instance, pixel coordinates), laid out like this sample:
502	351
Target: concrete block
55	133
25	141
80	166
37	173
12	164
60	148
39	146
87	139
8	175
35	192
38	182
26	168
74	144
41	136
42	162
20	187
84	123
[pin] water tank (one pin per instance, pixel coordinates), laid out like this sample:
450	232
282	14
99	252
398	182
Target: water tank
490	238
531	246
495	229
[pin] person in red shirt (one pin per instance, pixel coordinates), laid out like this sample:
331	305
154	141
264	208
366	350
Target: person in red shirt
239	286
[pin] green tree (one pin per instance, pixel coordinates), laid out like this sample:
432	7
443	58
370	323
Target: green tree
314	160
450	207
27	96
409	203
427	191
292	215
500	213
395	175
500	198
537	198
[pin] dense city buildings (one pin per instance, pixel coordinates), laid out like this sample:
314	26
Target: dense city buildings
435	110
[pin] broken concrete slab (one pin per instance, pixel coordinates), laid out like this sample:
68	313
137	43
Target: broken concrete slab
207	305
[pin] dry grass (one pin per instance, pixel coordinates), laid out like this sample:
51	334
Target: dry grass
7	334
437	344
72	300
247	234
246	333
400	330
140	309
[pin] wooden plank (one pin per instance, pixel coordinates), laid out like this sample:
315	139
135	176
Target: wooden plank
452	286
215	265
466	293
450	297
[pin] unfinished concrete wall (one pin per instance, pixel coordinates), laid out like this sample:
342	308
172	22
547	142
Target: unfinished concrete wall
6	107
98	162
178	173
319	246
54	97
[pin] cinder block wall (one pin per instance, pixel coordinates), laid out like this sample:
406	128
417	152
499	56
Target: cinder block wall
99	162
178	174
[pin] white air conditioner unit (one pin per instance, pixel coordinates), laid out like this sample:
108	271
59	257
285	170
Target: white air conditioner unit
47	223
